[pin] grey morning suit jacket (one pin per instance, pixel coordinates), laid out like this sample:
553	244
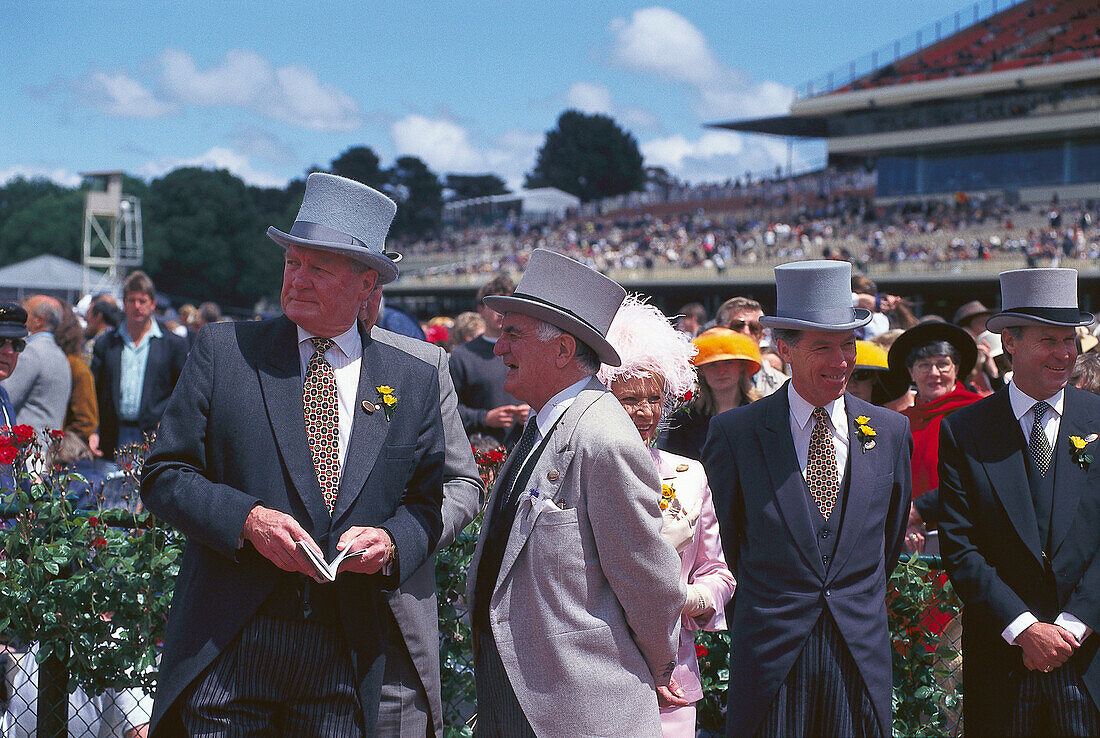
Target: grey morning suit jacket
414	603
586	607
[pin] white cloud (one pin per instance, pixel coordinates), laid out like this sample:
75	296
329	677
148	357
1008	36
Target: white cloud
120	96
61	176
260	143
663	43
718	156
217	157
592	98
448	148
244	79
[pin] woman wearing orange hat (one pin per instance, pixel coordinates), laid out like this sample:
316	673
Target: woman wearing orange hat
727	361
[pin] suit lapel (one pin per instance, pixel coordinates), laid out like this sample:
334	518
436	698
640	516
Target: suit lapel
281	384
369	430
861	470
1004	463
777	447
157	347
1069	478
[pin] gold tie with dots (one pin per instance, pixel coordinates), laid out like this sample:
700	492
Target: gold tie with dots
322	416
821	467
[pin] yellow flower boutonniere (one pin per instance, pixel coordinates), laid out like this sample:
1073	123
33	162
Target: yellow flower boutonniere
1080	456
865	433
388	398
668	494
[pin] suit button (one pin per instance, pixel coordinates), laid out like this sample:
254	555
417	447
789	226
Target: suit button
828	593
825	560
824	532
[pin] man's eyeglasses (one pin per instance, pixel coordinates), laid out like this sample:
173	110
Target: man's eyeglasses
17	344
740	325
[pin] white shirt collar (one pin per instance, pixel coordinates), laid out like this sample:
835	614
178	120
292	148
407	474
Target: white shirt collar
1022	402
349	342
556	406
801	410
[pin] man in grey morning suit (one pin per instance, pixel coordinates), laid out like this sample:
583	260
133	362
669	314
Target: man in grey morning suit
575	596
813	532
297	432
1020	523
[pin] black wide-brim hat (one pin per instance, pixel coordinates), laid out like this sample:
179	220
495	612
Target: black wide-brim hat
898	380
344	217
13	321
1045	296
568	295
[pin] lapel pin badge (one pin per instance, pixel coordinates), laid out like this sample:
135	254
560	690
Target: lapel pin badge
682	467
369	407
552	475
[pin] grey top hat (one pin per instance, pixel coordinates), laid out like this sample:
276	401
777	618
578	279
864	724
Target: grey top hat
815	296
1038	297
13	321
347	218
568	295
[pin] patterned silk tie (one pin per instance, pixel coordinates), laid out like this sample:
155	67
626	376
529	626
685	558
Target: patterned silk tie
821	467
320	404
1040	446
520	452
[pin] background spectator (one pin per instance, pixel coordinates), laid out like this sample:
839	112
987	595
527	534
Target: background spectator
40	386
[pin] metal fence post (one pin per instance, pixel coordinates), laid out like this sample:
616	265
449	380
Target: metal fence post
53	697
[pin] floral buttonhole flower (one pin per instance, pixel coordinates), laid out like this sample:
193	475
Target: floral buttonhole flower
388	398
865	433
1079	450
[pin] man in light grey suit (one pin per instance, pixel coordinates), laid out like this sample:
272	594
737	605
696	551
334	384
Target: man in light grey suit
41	383
412	703
575	596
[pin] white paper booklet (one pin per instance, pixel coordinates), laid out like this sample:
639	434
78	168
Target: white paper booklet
327	571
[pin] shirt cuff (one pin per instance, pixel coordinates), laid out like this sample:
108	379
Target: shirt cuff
1018	626
1079	630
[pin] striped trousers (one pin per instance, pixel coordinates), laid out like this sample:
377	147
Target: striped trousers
499	714
278	677
823	695
1053	704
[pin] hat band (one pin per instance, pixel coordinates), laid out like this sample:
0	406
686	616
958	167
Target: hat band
833	316
559	308
1059	314
304	229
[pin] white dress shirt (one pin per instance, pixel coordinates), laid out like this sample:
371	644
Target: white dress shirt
345	357
802	427
1022	409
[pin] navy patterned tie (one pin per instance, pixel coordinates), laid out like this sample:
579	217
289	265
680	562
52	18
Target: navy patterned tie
1040	446
520	452
322	415
821	464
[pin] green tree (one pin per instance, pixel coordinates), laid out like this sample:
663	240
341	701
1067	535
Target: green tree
361	164
589	156
49	221
466	186
419	196
206	239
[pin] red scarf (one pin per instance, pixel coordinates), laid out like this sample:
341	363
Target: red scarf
924	421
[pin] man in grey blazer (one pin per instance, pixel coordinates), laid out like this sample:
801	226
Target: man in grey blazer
575	596
412	703
41	383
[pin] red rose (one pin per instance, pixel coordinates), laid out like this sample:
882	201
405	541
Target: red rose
7	454
688	396
700	651
93	520
23	434
99	542
57	435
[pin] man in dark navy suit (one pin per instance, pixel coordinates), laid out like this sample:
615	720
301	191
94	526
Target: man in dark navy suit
811	489
1020	523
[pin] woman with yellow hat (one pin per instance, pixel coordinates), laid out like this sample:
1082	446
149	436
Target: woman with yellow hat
726	361
871	370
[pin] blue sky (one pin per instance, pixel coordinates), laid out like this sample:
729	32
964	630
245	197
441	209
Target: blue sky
268	90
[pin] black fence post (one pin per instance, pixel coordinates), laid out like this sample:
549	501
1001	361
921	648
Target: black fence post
53	697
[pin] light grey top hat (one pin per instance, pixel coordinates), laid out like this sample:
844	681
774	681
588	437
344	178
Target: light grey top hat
568	295
345	217
1038	297
815	296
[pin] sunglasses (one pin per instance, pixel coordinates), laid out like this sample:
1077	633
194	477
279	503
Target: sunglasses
863	375
739	325
17	344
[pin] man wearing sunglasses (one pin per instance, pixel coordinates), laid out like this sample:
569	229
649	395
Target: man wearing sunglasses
13	332
742	314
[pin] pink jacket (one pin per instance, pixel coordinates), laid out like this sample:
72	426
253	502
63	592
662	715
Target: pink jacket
701	563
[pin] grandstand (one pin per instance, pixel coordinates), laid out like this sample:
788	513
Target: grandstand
1000	98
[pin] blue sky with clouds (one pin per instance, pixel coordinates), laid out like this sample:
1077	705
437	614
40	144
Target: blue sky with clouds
268	90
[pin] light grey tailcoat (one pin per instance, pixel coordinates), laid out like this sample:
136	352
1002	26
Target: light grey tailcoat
585	611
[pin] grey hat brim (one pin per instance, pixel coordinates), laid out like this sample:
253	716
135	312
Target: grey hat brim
1012	319
860	318
559	319
385	265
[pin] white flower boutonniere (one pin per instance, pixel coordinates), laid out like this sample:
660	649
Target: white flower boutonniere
1079	450
865	433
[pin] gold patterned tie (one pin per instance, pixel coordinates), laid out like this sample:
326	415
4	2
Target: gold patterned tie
821	464
322	416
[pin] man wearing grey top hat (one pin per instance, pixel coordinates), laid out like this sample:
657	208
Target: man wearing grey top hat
294	434
1020	523
811	489
575	596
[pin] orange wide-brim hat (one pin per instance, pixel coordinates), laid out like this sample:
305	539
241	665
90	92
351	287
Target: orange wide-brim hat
723	344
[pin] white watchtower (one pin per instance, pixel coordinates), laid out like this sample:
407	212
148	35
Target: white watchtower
112	230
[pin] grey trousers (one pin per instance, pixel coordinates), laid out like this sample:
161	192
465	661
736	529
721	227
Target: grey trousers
1053	704
404	711
499	714
278	677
